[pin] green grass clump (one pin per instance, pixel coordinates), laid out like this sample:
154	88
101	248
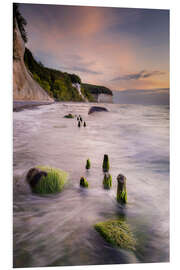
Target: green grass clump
53	182
106	163
84	182
117	233
88	164
107	182
69	116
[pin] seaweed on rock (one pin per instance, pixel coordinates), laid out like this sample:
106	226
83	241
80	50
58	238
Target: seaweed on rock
117	233
69	116
46	180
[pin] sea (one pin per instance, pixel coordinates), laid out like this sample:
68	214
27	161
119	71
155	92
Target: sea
58	229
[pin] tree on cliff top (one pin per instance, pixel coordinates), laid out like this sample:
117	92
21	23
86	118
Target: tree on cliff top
20	21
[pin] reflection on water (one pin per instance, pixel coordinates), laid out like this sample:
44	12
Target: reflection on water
58	229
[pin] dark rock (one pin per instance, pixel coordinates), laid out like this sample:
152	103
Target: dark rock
34	175
97	109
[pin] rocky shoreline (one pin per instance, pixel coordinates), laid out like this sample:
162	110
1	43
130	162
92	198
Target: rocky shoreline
20	105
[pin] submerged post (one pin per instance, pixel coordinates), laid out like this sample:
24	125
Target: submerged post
106	163
107	182
121	189
88	164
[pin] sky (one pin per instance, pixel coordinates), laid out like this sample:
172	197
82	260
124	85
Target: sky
120	48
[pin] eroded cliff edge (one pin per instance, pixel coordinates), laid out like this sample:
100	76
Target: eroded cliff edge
25	88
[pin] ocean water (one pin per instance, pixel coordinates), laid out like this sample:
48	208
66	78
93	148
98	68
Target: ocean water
59	229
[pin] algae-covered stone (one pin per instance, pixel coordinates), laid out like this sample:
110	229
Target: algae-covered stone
107	182
69	115
46	180
121	189
84	182
117	233
88	164
106	163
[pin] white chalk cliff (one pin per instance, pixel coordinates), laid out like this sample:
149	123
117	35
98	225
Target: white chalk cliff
78	87
24	86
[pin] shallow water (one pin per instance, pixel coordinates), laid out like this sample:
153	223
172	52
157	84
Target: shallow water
58	229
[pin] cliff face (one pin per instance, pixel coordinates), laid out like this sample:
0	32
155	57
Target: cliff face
78	87
103	98
24	86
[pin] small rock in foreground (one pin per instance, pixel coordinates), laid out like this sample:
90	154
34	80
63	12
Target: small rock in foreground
46	180
117	233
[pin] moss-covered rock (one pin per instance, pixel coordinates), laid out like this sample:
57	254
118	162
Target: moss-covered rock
69	116
117	233
106	163
107	182
121	189
84	182
46	180
88	164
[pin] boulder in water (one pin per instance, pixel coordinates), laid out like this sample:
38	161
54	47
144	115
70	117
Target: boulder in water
70	115
46	180
97	109
117	233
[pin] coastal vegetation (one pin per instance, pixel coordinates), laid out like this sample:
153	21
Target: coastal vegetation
56	83
97	89
21	22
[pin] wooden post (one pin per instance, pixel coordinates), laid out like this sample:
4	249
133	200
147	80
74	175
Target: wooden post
121	189
106	163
